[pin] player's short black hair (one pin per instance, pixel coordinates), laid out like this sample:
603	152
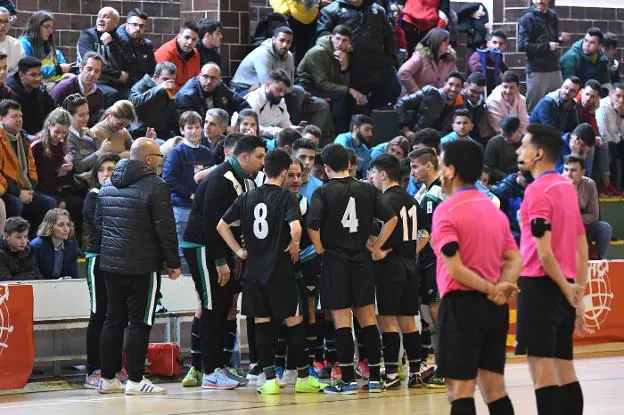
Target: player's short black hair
593	84
336	157
16	224
352	157
595	32
467	158
462	112
286	137
574	158
547	138
275	162
359	120
389	164
304	143
509	124
511	76
476	78
247	144
428	137
586	133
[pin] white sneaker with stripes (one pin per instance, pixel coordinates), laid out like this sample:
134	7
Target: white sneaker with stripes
144	387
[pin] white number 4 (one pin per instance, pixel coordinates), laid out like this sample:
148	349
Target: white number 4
349	218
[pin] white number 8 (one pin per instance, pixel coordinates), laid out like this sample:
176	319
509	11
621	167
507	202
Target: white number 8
260	225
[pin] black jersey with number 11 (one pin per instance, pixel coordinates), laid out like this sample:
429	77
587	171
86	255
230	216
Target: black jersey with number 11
411	219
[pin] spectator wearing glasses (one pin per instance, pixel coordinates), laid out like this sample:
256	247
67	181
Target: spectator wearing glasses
138	49
206	91
55	248
8	44
112	128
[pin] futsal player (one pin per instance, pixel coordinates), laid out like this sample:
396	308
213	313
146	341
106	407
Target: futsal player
270	221
397	274
554	248
339	224
478	264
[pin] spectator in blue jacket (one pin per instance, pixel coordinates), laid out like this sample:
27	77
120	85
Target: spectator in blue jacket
55	248
398	147
510	193
558	108
361	133
138	49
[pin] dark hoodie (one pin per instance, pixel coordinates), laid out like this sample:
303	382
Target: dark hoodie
138	57
134	221
17	266
112	53
36	104
535	31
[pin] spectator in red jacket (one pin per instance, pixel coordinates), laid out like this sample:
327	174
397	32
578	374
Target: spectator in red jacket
420	16
182	53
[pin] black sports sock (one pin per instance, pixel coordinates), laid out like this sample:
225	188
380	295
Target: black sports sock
463	406
361	344
391	344
196	355
251	339
372	344
501	406
425	338
310	342
548	400
265	342
330	342
413	349
572	398
345	349
280	347
296	349
229	341
211	338
320	338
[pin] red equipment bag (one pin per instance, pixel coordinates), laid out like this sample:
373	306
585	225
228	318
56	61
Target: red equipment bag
163	359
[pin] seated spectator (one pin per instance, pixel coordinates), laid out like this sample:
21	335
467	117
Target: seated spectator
585	59
302	17
431	107
55	248
18	173
82	145
462	127
474	101
206	91
247	122
588	101
324	72
5	91
268	102
182	53
360	133
38	42
598	231
579	142
10	46
506	100
492	56
558	108
312	132
500	153
36	103
104	40
215	127
55	167
285	139
432	62
84	84
183	162
210	37
112	128
397	147
138	49
17	262
485	176
153	100
610	49
610	117
510	192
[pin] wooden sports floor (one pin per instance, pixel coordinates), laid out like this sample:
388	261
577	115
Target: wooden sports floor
602	379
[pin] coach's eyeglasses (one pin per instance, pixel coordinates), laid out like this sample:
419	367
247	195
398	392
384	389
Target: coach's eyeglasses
162	156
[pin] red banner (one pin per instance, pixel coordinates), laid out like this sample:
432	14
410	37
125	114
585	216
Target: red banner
604	310
17	351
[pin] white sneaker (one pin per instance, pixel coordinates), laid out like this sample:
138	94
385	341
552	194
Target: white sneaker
260	379
144	387
111	386
288	378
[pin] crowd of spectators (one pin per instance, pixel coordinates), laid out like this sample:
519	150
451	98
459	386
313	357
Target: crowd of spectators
349	58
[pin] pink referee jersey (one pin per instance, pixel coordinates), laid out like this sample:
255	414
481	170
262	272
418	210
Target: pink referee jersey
482	232
553	198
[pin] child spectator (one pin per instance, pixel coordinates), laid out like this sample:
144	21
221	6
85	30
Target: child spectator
247	122
17	262
54	247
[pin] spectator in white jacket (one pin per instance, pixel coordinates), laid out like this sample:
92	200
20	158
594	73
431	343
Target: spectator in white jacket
268	102
610	118
506	100
8	44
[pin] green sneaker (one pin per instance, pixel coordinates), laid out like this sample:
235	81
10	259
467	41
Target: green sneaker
309	385
193	378
435	381
270	387
402	371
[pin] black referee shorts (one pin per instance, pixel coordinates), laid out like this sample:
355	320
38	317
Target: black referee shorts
473	335
346	283
545	320
396	289
204	272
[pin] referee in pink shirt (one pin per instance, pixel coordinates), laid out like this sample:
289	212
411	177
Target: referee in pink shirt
478	264
554	248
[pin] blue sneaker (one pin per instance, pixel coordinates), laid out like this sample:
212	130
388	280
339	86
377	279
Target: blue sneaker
341	388
218	380
375	386
312	372
279	372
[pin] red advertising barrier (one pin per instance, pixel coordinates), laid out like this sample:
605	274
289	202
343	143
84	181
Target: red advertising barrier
604	307
17	350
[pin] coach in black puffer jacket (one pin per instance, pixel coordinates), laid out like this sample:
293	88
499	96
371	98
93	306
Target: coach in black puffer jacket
427	108
134	217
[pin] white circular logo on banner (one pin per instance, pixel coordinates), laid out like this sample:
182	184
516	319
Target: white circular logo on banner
5	319
598	295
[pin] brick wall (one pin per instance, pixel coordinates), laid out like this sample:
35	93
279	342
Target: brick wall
72	16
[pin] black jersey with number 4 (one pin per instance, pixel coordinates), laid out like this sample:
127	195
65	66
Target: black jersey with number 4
264	214
411	218
344	210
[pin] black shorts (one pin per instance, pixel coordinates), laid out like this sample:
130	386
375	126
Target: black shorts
278	298
346	283
311	271
472	335
204	272
428	286
396	291
545	320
